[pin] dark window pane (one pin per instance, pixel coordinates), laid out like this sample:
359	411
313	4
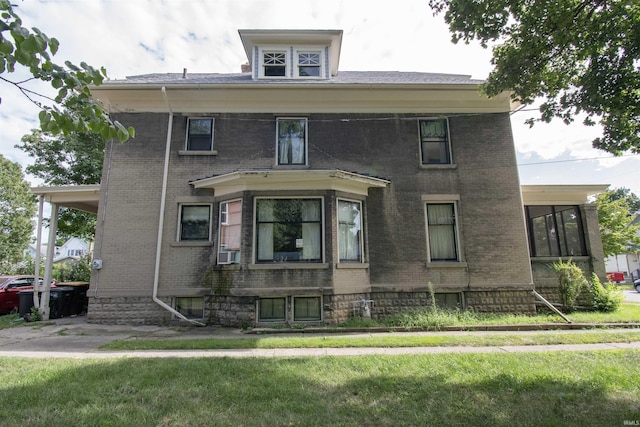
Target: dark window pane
306	309
272	309
194	222
200	136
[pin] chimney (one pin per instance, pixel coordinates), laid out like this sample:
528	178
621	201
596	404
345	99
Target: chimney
246	68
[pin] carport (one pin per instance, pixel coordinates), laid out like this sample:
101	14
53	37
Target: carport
81	197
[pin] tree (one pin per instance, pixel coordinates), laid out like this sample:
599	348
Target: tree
616	228
75	158
17	207
72	109
632	200
579	56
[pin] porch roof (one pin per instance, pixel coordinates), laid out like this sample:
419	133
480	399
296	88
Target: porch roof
82	197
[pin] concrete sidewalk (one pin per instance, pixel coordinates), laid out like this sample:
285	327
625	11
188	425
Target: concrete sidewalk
74	338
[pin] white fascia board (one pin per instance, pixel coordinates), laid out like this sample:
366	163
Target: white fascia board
82	197
293	180
560	194
309	98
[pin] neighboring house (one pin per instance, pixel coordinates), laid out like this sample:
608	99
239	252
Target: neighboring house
294	193
72	250
628	263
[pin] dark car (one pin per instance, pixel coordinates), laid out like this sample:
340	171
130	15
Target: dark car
10	287
636	284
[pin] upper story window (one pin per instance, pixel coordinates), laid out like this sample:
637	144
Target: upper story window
292	62
199	134
195	222
230	222
555	231
274	63
434	142
309	64
292	141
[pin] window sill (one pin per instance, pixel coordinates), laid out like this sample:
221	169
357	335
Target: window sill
187	244
289	266
438	166
353	265
197	153
285	167
445	264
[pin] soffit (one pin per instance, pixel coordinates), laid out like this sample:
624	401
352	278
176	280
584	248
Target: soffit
285	180
287	98
81	197
560	194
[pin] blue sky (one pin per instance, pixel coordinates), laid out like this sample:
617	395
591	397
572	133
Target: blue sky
131	37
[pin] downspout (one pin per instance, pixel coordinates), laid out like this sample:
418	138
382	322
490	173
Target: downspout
163	197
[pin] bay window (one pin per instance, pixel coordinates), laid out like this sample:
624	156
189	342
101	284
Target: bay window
349	231
289	230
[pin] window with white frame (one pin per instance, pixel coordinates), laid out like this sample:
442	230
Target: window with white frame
195	222
292	141
434	142
274	63
230	222
289	230
309	63
199	134
349	231
190	307
272	309
442	232
307	309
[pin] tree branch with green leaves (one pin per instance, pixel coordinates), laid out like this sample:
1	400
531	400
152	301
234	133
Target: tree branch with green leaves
72	109
578	56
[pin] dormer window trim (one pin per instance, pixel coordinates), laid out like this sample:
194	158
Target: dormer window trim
295	62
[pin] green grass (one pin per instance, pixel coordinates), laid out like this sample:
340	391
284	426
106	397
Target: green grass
376	340
541	389
628	313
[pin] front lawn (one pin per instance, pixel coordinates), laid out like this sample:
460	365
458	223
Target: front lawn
541	389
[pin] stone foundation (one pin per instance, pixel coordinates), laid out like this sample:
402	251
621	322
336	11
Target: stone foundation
241	312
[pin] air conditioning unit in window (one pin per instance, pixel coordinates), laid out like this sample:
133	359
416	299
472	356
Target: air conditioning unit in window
228	257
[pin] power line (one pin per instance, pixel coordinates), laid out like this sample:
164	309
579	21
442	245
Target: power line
577	160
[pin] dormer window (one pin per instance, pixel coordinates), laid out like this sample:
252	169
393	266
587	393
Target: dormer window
289	62
275	64
309	64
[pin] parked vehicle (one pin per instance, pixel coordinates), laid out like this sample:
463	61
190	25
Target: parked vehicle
10	287
636	285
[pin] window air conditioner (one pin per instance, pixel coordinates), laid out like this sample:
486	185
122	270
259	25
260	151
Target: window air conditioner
228	257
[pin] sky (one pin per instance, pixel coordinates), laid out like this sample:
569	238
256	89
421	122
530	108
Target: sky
133	37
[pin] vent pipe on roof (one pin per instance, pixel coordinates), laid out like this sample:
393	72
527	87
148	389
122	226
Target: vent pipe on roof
184	73
245	68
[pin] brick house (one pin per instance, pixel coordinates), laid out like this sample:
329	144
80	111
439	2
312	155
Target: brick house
293	193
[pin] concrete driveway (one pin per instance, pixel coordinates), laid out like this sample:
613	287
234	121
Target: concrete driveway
632	296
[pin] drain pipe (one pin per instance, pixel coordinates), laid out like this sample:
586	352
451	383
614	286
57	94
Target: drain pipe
163	197
551	306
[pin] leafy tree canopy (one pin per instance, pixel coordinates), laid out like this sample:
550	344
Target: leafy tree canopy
616	228
75	158
578	56
72	109
17	207
632	200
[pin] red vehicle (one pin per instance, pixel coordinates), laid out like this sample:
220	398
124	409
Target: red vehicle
10	287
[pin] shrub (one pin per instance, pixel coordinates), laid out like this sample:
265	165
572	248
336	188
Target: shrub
572	282
605	297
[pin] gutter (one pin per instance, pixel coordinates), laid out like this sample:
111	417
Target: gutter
163	199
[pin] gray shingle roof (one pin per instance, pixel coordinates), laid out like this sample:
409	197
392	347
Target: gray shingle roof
344	77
